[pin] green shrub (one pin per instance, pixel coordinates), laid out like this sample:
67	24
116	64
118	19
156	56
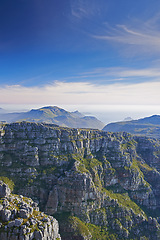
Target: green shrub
78	226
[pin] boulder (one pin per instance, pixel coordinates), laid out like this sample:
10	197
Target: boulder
4	190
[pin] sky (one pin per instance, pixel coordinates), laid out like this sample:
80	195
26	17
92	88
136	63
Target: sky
80	52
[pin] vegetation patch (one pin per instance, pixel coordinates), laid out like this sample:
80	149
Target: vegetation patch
128	145
101	233
79	227
125	201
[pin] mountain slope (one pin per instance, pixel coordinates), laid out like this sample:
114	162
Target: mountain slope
55	115
149	126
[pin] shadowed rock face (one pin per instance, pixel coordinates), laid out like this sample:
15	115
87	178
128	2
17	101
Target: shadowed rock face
20	219
96	176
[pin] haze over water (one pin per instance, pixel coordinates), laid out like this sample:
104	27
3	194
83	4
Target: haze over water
113	113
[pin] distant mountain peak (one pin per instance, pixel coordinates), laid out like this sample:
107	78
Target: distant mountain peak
55	115
52	108
77	114
128	119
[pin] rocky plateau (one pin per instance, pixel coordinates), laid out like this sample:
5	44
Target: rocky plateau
98	185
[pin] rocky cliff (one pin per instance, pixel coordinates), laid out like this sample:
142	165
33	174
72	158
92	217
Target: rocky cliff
99	185
20	218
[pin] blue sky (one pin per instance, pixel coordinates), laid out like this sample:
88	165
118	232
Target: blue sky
79	52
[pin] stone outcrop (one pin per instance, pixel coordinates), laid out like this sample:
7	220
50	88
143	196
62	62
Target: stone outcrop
101	178
20	219
4	190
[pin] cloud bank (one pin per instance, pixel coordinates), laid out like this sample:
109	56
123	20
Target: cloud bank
60	93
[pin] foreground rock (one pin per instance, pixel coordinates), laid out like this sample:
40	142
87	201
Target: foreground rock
4	190
20	219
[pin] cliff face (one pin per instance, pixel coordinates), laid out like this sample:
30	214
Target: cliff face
91	180
20	218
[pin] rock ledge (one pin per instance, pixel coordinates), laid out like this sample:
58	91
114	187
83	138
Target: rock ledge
20	218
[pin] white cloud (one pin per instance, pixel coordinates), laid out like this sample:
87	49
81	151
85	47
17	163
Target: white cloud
119	74
85	9
129	72
79	9
82	93
144	35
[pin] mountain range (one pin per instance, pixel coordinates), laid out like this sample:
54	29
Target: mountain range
54	115
148	126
